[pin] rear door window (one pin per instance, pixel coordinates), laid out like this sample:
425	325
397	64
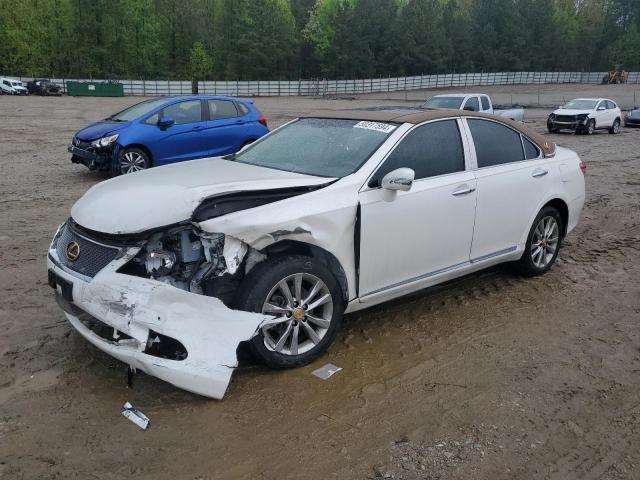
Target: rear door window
430	150
485	103
184	112
221	109
495	143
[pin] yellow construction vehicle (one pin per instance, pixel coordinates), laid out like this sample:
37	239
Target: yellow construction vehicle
615	76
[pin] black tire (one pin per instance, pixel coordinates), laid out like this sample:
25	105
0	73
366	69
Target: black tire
591	127
131	160
261	281
615	128
526	265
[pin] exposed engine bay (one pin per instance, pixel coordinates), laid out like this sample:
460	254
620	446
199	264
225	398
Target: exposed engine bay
209	264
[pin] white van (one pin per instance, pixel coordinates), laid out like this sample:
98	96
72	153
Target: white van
9	86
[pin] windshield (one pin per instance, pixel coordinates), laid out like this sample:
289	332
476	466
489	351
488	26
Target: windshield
138	110
581	104
16	84
318	146
444	102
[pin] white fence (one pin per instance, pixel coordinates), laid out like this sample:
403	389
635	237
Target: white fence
348	87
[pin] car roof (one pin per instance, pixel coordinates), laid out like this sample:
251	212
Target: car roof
461	95
416	117
204	97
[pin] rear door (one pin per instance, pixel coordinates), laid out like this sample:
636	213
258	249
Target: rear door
226	130
512	180
184	140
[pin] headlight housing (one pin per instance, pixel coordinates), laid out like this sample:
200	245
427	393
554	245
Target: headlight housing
105	141
583	117
552	116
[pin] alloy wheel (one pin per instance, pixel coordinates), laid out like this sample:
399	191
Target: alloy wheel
544	243
132	162
304	308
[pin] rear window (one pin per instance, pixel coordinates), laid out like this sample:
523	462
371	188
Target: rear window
495	143
485	103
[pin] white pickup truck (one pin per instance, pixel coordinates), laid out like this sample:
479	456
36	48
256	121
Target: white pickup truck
473	102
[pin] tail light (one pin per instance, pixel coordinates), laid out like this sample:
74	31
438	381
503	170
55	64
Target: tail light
583	167
263	120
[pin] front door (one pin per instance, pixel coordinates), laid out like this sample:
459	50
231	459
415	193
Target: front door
410	236
183	140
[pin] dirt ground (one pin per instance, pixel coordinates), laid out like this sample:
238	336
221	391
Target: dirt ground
490	377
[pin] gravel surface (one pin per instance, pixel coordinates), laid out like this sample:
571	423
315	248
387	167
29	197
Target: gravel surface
489	377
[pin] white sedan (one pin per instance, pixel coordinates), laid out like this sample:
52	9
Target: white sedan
586	115
170	269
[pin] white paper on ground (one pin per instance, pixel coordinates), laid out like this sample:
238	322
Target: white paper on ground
326	371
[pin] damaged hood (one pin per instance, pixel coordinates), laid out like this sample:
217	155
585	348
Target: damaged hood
567	111
100	129
167	195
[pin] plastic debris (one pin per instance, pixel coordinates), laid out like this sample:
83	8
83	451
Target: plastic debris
136	416
327	371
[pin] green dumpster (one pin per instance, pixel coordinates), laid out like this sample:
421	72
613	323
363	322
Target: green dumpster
95	89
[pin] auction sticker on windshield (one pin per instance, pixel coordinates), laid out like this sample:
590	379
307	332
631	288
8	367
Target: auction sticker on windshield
379	127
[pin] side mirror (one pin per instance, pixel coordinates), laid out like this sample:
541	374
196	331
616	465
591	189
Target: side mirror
469	108
399	179
166	122
600	109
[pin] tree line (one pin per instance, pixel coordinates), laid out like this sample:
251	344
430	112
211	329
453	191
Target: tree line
292	39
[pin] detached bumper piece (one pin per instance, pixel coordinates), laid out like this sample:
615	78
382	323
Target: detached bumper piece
183	338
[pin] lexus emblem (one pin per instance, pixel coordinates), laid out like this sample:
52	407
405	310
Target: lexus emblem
73	251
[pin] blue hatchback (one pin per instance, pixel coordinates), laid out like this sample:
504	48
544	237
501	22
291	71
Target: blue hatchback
167	130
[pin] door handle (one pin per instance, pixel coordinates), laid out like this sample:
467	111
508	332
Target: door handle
196	128
239	122
539	173
463	190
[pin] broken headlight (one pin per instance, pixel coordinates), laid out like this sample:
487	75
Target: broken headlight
105	141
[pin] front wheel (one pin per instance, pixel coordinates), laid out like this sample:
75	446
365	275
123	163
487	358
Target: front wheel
591	127
132	160
543	243
306	300
615	128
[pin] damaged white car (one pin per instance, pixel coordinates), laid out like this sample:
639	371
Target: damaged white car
170	269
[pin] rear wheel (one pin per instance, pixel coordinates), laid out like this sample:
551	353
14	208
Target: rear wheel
306	300
615	128
543	243
132	160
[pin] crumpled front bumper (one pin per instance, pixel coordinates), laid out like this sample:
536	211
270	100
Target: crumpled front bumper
94	159
135	306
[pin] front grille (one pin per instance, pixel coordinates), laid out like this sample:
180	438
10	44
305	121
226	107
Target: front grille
565	118
92	257
81	143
